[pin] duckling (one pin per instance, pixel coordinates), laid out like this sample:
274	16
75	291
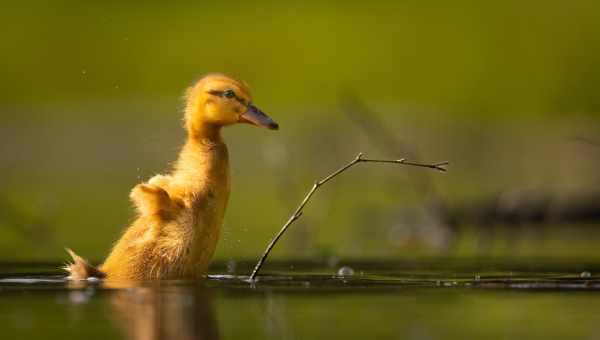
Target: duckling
179	214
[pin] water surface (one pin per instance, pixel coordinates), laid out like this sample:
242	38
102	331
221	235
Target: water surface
306	300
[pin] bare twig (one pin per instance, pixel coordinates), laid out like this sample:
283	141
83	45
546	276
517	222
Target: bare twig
299	210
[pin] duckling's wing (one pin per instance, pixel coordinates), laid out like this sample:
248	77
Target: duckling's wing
152	200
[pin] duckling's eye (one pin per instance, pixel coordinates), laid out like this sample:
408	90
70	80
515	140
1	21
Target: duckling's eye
229	94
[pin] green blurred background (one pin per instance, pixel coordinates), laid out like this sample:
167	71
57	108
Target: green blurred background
90	104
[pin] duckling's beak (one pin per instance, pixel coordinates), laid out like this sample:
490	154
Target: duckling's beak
256	117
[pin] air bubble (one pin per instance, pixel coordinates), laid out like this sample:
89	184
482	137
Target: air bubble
345	271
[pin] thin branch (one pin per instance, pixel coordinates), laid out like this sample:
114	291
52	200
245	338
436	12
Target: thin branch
299	210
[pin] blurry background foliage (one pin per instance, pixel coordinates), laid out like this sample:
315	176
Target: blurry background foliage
90	101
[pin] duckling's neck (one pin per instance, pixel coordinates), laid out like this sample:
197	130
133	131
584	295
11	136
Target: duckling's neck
203	165
205	133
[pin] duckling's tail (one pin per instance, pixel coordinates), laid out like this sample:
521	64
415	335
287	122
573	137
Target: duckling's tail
80	269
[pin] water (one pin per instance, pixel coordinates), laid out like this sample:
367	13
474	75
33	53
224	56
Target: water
385	300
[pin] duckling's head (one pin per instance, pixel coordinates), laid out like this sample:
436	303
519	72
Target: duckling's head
217	100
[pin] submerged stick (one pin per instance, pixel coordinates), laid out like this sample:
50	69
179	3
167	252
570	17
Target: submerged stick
298	212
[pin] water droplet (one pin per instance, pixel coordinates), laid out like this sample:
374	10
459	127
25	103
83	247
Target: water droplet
345	271
585	275
83	71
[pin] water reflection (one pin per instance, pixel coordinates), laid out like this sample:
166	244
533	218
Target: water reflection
382	300
165	312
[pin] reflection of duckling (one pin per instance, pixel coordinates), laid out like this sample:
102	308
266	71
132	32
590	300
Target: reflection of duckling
165	312
180	214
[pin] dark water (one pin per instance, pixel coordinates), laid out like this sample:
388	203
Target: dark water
358	300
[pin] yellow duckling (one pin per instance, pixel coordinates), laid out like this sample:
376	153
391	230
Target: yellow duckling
180	214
